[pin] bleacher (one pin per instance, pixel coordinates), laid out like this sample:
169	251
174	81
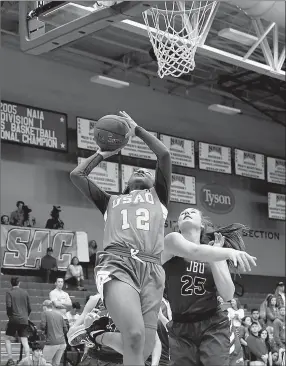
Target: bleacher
38	292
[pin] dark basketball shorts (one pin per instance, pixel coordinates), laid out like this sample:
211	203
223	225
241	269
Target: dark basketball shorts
90	361
205	342
147	278
13	329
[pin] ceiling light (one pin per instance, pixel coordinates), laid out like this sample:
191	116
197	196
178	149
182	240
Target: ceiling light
114	83
223	109
237	36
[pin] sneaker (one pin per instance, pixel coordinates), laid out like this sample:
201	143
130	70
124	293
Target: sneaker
88	336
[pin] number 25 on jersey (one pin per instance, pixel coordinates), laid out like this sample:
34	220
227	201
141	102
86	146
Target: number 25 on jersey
142	219
192	285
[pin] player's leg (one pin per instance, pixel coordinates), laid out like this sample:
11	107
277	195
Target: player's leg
123	304
23	334
215	342
183	352
11	332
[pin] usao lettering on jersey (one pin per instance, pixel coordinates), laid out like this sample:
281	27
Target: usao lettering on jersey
142	214
193	284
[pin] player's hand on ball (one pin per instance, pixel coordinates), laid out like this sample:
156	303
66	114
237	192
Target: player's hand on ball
131	123
106	154
242	260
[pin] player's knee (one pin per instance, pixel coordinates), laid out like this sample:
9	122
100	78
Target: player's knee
135	338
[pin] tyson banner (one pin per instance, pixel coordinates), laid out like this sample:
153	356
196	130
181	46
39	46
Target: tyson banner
24	247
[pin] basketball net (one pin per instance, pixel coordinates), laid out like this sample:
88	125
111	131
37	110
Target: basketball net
176	32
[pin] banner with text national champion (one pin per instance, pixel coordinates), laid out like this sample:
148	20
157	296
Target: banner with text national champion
33	126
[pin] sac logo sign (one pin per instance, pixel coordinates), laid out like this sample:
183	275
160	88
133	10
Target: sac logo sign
217	199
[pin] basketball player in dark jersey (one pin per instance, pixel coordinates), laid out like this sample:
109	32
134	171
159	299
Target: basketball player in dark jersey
129	272
200	333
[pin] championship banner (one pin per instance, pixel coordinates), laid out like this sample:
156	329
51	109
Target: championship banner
182	151
276	172
24	248
276	206
249	164
136	148
183	189
105	175
85	134
214	158
127	171
33	126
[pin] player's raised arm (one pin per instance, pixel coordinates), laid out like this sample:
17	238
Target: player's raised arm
164	164
79	177
177	246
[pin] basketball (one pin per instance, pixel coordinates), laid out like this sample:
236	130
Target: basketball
110	132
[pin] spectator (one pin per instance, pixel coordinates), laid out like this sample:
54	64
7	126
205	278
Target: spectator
257	349
277	357
29	221
235	313
92	249
4	220
55	223
256	319
244	332
17	216
49	267
280	294
271	311
263	307
264	336
60	299
279	329
74	275
73	314
18	310
36	359
55	327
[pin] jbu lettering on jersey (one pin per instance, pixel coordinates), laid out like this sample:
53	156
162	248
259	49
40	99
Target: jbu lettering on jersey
196	267
141	197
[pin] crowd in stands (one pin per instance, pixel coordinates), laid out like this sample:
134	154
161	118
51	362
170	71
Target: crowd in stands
22	217
262	333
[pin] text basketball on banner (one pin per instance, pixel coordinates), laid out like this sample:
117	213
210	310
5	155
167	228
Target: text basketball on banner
249	164
23	248
182	151
85	134
276	206
136	148
183	189
105	175
127	171
276	172
214	158
33	126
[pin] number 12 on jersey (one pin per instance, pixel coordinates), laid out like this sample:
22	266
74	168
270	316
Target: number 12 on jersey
142	219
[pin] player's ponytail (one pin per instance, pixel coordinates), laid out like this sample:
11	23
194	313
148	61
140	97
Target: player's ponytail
232	233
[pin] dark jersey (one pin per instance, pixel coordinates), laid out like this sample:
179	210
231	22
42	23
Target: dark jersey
190	287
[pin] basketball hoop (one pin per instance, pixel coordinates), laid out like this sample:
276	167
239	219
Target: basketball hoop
176	32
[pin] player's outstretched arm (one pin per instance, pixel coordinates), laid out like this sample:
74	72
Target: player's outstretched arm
79	177
164	164
177	246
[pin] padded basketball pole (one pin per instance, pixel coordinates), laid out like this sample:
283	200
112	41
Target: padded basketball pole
42	42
